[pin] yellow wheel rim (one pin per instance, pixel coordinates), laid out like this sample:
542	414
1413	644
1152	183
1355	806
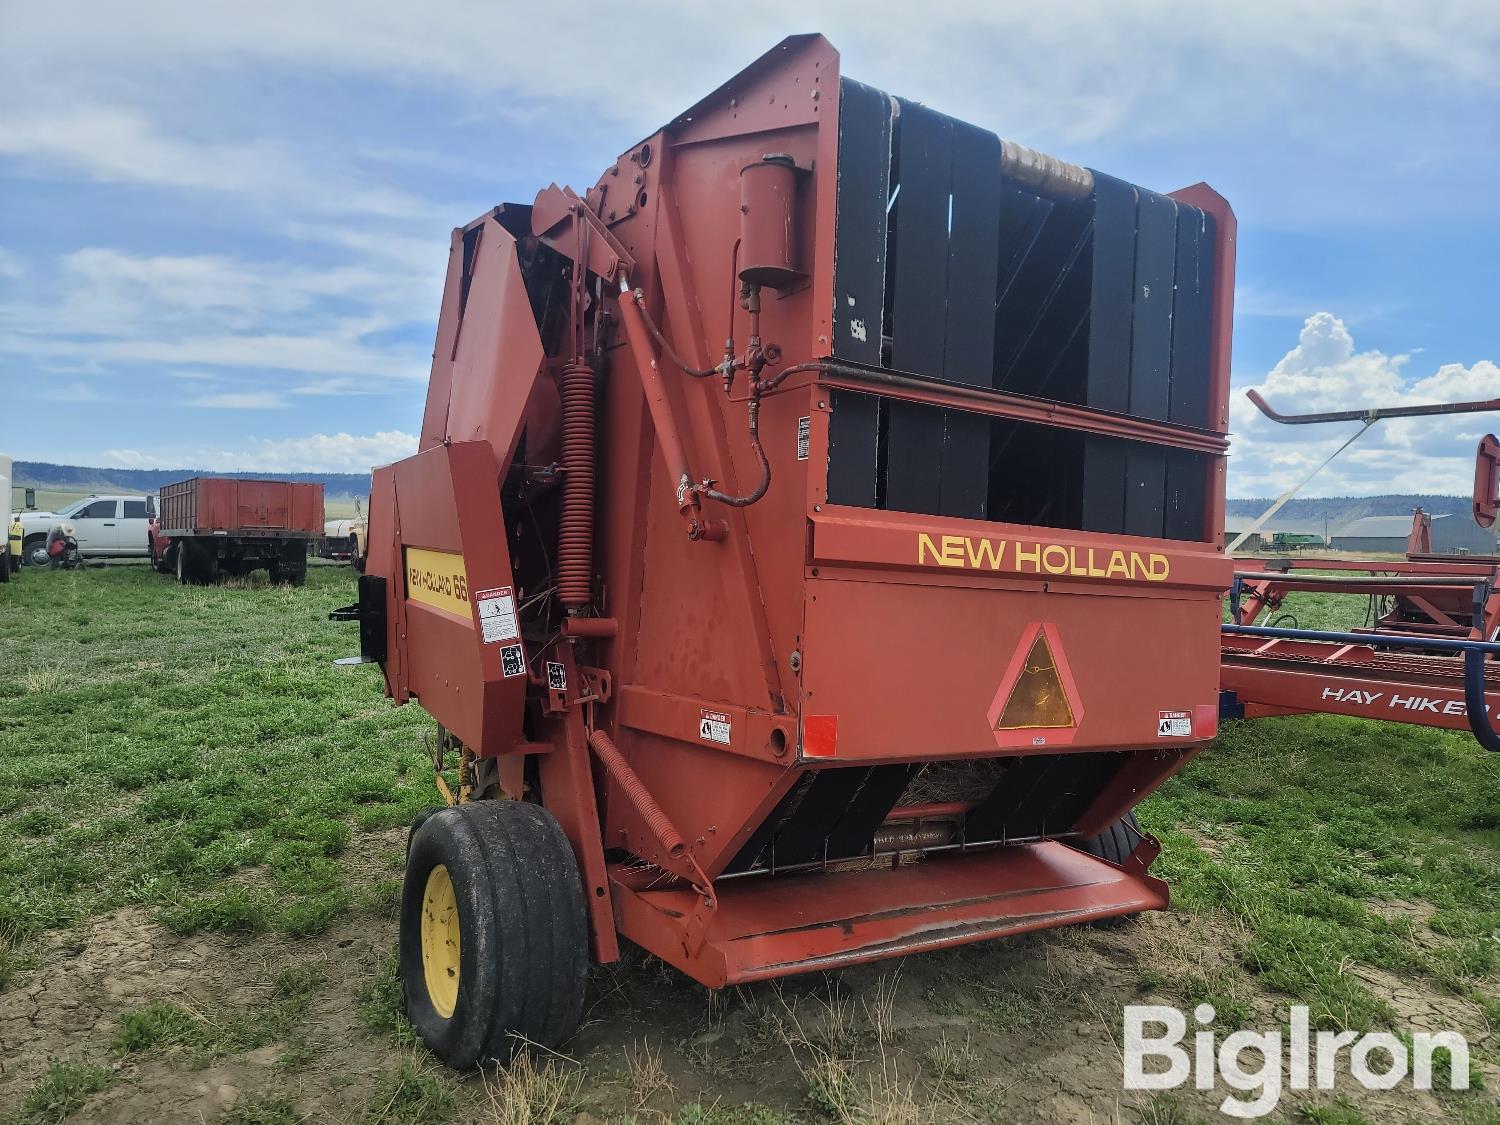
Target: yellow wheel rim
440	942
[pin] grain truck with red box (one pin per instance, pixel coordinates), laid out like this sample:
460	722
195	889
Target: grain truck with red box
208	527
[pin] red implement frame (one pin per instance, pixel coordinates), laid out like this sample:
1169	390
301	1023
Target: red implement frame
1290	676
727	635
1382	670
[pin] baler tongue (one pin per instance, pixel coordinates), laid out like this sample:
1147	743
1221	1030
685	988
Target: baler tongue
772	927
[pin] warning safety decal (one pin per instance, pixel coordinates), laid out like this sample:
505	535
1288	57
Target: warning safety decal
512	661
497	615
1174	724
714	727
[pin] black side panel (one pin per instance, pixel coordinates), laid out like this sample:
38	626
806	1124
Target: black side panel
853	471
1104	471
1192	316
856	827
1151	332
968	353
859	249
919	312
1044	301
859	283
800	839
1150	359
1187	490
1021	782
1145	489
1041	795
945	268
755	850
1114	284
913	457
1036	474
1071	784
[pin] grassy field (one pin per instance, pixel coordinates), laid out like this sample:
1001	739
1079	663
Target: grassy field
201	827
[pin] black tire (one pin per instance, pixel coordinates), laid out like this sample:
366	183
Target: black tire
1114	845
1116	842
34	552
297	575
5	566
522	940
194	566
422	817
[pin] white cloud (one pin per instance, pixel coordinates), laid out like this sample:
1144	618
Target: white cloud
120	144
247	400
73	392
1077	69
106	306
11	266
1324	372
309	453
336	385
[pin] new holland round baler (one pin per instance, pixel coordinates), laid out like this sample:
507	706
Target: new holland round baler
811	555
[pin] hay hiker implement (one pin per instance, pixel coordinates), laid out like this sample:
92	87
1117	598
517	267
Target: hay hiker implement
811	555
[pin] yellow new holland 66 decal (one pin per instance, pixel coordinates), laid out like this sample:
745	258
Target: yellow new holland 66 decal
437	578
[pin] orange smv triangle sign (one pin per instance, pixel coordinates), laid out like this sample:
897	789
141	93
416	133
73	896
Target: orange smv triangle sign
1037	703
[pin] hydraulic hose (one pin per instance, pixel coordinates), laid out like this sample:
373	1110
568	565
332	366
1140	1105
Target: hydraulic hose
667	349
752	408
1475	705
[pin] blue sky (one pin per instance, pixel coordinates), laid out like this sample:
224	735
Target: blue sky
223	233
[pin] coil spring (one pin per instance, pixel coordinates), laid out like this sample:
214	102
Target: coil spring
637	794
575	555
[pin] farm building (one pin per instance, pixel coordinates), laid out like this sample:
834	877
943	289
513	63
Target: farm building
1388	535
1300	531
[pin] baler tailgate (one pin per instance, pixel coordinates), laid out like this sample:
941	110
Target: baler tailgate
772	927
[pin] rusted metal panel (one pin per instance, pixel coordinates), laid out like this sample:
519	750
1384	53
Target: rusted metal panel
449	507
770	927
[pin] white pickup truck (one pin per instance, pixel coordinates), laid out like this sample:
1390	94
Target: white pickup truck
112	526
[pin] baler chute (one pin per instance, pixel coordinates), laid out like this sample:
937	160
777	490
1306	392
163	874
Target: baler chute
814	532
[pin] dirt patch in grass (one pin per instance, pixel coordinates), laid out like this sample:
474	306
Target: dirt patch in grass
1025	1030
192	1025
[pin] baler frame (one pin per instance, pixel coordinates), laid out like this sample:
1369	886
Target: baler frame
689	646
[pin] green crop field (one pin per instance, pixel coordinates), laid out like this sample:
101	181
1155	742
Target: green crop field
201	839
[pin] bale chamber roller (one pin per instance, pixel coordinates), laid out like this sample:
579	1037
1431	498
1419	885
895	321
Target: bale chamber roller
811	553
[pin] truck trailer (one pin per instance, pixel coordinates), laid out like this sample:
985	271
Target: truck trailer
811	553
211	526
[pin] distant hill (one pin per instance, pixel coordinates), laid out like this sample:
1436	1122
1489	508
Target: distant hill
1337	511
78	478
